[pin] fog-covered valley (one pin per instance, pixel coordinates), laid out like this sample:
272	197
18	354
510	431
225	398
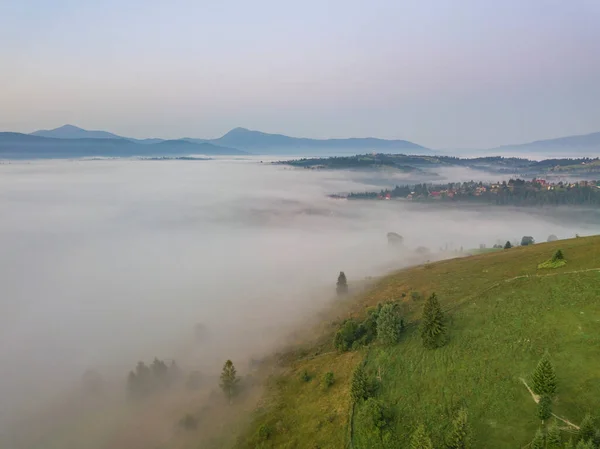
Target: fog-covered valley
108	262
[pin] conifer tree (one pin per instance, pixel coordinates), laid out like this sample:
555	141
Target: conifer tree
569	444
342	284
544	408
460	436
544	378
229	380
420	439
538	441
553	437
507	245
359	388
584	445
432	326
586	429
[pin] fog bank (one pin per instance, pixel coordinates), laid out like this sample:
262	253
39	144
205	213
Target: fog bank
108	262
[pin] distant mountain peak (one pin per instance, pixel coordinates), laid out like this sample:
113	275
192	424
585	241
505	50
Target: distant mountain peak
68	127
259	142
74	132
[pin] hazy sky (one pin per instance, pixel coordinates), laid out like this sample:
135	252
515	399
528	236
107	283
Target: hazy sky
446	73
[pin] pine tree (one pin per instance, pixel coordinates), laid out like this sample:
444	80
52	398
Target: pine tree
586	429
544	408
538	441
584	445
229	380
544	378
507	245
342	284
359	388
460	436
553	437
420	439
389	324
432	327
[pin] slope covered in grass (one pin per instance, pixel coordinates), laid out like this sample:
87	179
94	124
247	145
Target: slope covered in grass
502	313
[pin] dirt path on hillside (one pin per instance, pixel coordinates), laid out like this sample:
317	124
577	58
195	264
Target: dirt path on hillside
536	399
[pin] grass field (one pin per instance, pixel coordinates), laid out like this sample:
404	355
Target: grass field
502	314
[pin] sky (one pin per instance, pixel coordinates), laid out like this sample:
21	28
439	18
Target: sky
444	73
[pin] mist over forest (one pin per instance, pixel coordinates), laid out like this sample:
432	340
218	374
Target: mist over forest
109	262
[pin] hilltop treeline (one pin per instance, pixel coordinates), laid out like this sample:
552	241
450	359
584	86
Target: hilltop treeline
406	162
515	192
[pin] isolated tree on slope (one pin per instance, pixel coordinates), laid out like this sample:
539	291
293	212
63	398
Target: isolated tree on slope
229	380
507	245
342	284
432	327
420	439
460	435
389	324
544	378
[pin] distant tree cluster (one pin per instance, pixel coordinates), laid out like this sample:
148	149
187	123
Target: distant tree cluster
148	379
382	322
527	240
459	436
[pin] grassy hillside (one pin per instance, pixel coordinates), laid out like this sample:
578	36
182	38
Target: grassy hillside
502	313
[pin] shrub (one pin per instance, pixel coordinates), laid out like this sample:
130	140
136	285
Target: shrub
346	335
416	296
305	376
329	379
265	432
374	414
557	261
352	334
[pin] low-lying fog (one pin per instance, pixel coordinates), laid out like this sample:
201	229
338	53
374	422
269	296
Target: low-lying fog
108	262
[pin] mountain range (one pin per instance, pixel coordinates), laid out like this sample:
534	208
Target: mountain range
578	145
72	141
